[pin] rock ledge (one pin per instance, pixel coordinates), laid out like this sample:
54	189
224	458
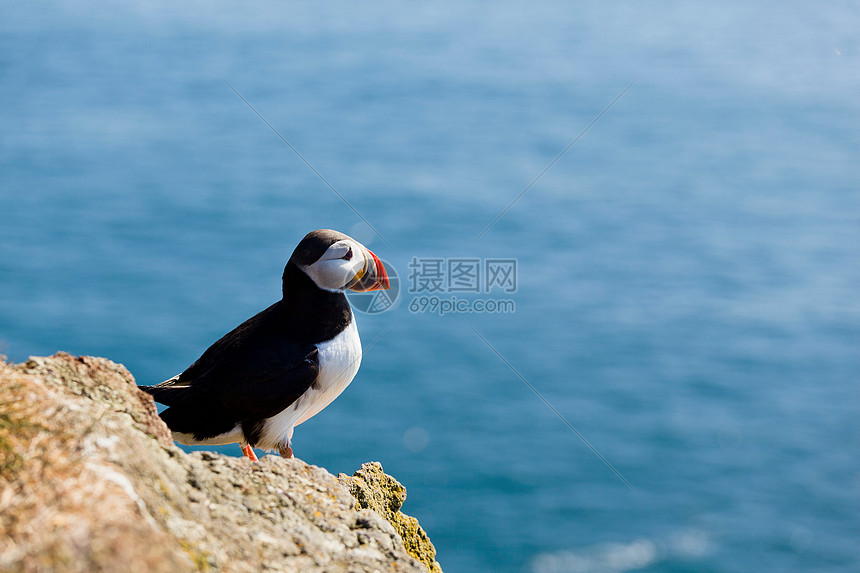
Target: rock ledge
90	480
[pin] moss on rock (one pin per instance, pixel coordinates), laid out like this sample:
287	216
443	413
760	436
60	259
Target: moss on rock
374	489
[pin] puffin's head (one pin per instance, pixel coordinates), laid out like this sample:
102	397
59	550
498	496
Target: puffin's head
336	262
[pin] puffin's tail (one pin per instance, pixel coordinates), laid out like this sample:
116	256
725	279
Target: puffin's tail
167	395
170	392
188	412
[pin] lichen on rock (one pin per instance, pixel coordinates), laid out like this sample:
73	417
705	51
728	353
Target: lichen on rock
91	481
374	489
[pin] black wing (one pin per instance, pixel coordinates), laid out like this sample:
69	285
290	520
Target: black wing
250	374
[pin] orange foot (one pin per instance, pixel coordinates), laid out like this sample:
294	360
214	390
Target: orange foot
249	453
285	450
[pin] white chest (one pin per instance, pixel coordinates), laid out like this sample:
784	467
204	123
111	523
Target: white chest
339	359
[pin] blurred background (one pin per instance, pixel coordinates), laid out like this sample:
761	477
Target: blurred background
687	272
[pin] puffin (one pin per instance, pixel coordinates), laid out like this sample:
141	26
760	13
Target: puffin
285	364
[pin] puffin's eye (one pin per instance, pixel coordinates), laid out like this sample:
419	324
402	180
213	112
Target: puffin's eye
348	255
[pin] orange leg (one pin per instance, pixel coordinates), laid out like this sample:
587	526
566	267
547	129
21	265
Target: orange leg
285	450
249	453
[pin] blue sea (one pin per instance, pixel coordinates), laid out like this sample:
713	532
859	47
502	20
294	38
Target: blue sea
686	314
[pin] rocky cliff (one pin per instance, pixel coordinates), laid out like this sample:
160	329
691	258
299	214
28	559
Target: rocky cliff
90	480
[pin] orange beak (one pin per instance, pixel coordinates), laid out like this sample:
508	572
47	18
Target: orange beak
373	277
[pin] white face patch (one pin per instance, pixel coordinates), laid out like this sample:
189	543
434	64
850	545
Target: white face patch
338	266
